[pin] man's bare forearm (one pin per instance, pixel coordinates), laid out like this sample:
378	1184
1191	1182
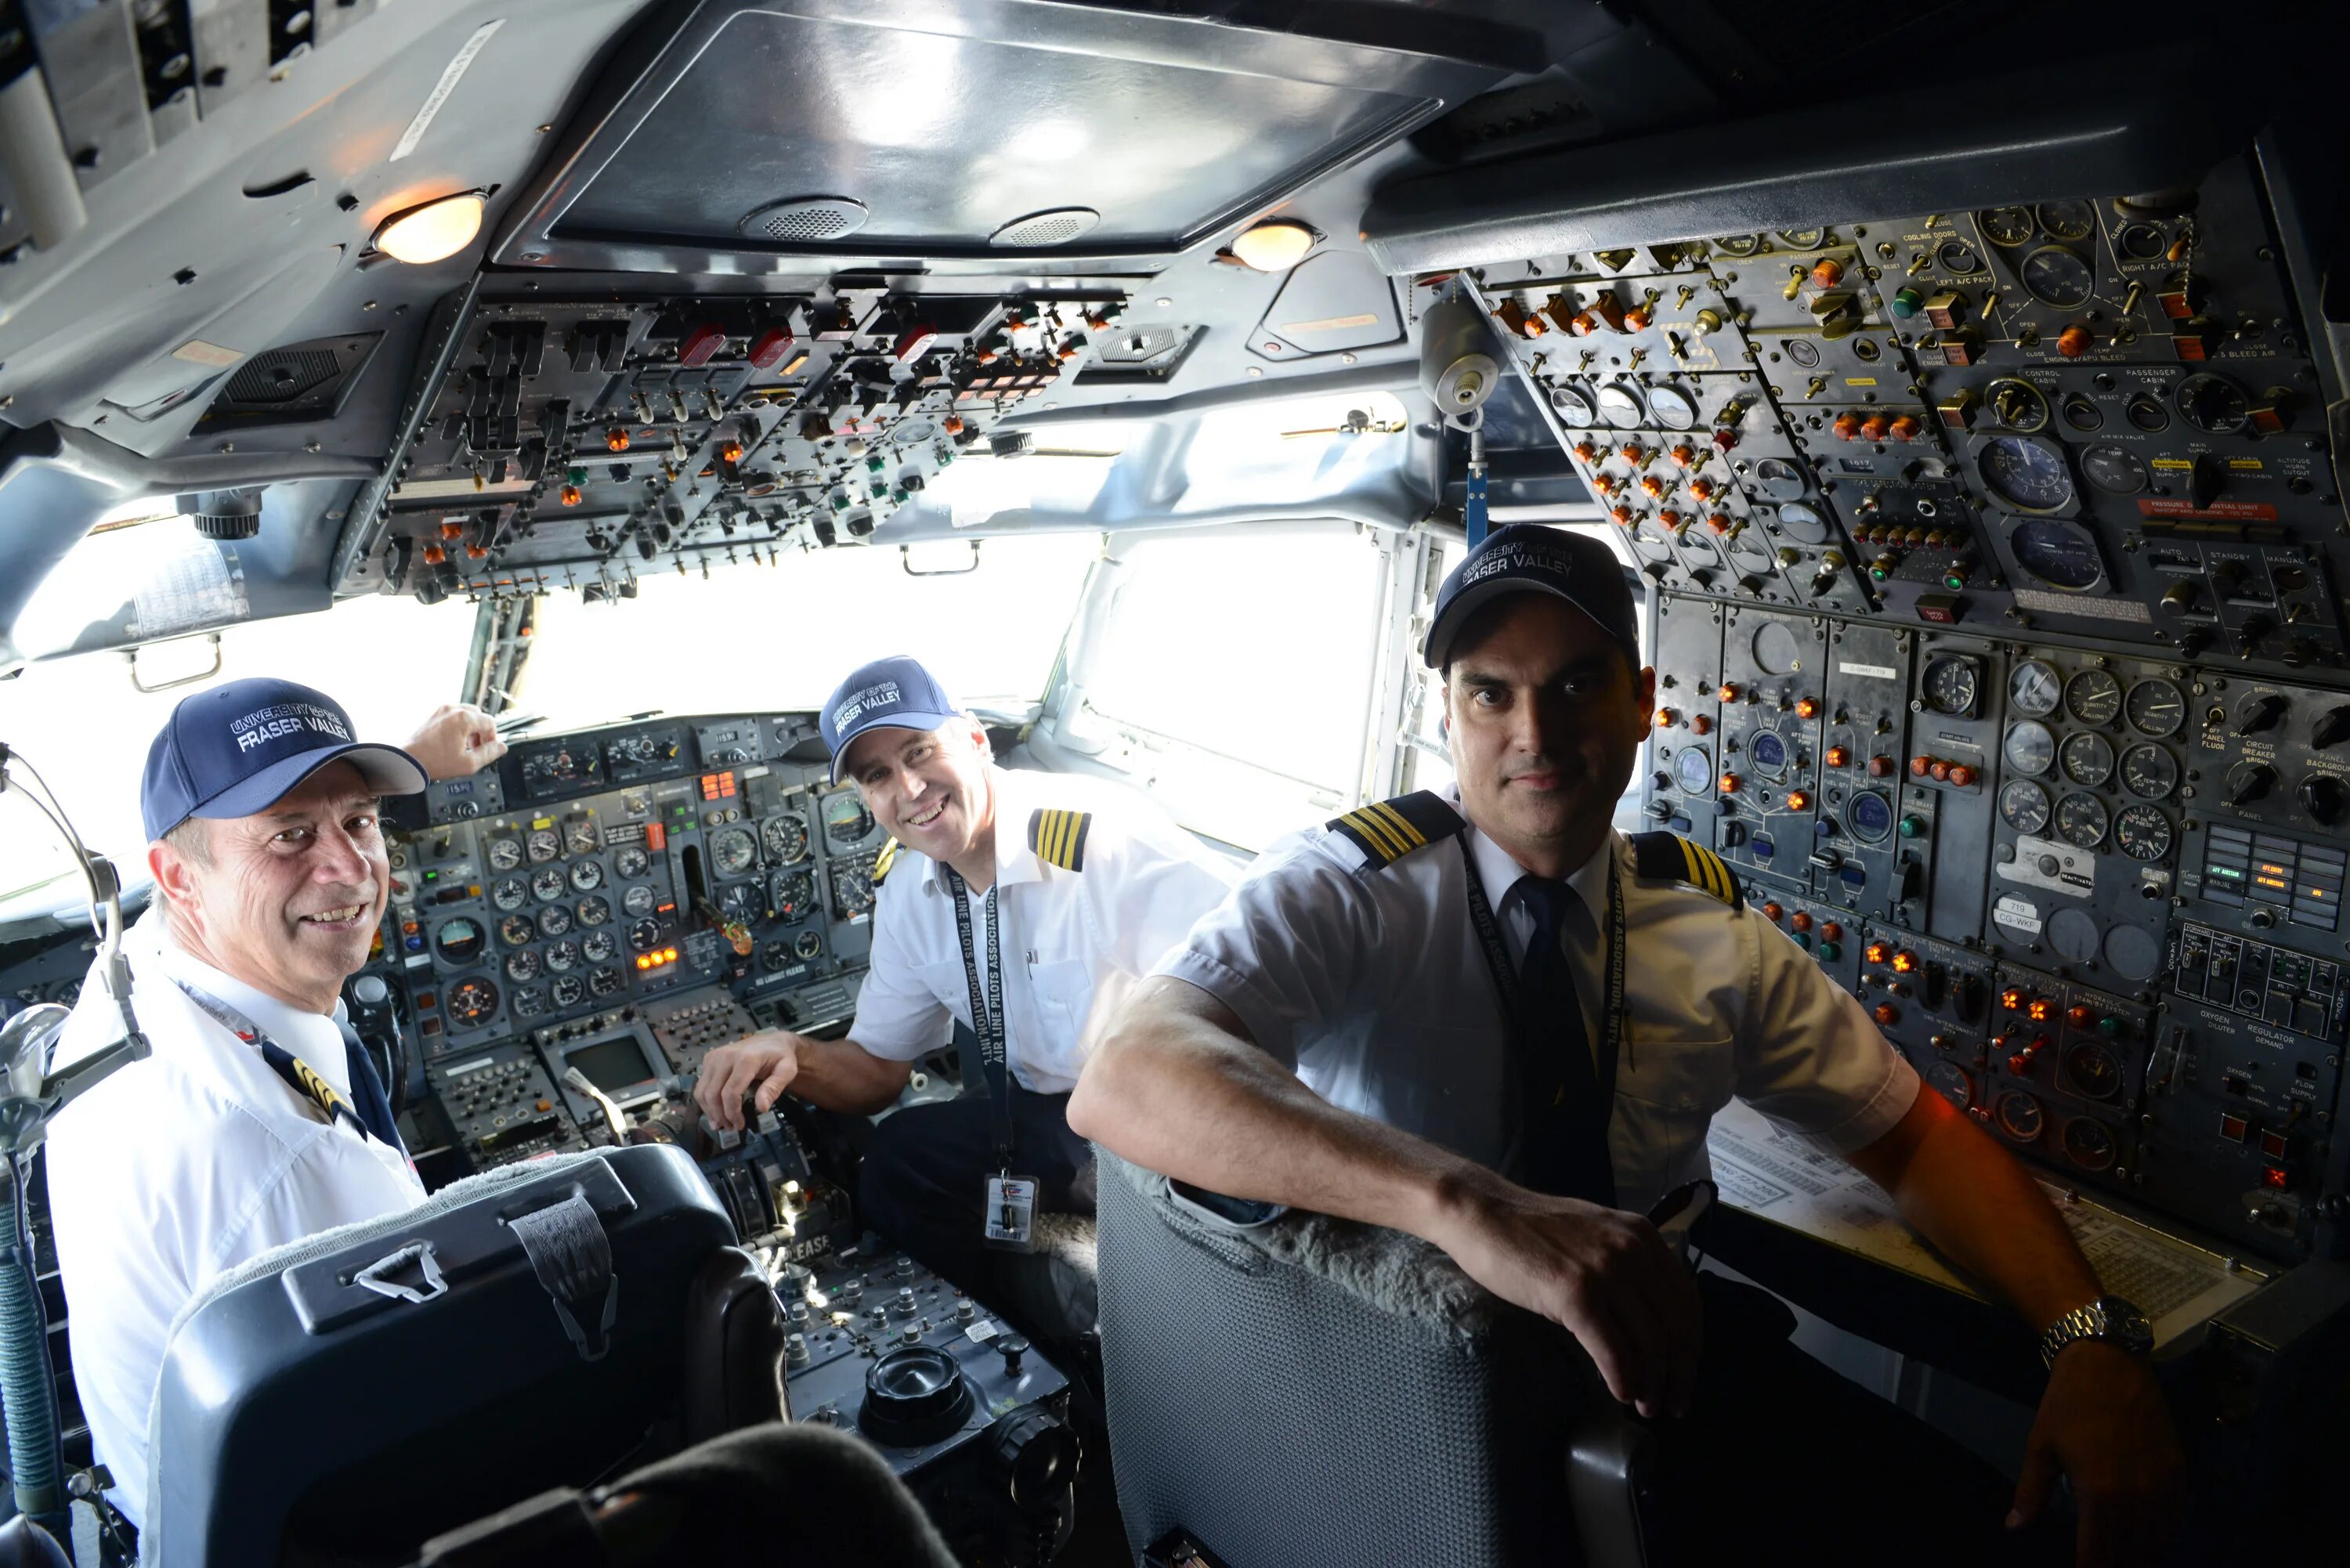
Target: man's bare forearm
841	1076
1175	1088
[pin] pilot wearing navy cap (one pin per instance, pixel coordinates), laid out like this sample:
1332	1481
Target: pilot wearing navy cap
257	1119
1016	903
1484	1016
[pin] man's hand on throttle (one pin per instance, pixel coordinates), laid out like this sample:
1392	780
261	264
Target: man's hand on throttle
766	1062
1604	1275
458	741
2103	1422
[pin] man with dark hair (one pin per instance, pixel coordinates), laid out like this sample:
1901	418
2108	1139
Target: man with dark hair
257	1119
1485	1018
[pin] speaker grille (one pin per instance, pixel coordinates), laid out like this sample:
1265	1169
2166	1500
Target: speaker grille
283	374
804	220
1042	230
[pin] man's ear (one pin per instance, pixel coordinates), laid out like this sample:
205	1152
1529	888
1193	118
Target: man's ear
174	877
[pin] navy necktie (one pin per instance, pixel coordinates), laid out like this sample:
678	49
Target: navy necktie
1564	1132
367	1099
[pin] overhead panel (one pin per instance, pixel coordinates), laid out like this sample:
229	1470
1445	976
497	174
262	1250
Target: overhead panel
976	130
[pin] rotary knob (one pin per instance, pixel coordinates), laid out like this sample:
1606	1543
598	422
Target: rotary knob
2332	728
2260	713
2248	781
2323	796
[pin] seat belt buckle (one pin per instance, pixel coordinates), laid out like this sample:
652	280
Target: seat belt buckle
377	1276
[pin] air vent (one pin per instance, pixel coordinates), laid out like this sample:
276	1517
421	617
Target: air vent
1040	231
804	220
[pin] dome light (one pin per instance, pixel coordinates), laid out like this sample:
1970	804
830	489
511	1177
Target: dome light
1275	245
432	231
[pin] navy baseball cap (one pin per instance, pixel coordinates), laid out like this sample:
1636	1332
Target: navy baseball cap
1527	557
887	694
239	747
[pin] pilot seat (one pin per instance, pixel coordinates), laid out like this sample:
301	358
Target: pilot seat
546	1325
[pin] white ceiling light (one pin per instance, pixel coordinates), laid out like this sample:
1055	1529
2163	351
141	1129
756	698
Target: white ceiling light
1275	245
432	231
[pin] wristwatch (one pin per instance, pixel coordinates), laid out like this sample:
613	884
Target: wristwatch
2109	1318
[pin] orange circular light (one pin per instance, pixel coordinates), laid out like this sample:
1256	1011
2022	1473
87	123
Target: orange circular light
1874	952
1798	800
1808	709
731	452
571	495
1905	963
433	232
616	439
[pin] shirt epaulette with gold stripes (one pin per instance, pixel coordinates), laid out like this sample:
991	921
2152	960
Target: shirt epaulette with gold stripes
1668	857
1387	830
883	858
1058	837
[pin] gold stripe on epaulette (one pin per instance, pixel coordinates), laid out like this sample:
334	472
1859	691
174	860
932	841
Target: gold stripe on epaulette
1412	836
1058	837
1383	839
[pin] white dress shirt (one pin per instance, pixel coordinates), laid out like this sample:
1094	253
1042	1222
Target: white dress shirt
183	1166
1369	981
1073	942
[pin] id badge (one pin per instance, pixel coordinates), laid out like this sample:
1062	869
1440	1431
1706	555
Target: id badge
1010	1212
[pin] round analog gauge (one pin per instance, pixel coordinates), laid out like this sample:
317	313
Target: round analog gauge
2082	414
2088	1145
603	983
2094	1071
522	964
1951	1081
2017	405
2148	414
1777	651
1672	409
2006	226
1698	549
1870	817
807	944
548	884
1804	239
2087	758
563	955
2033	688
1751	547
2093	697
567	989
1574	405
2143	833
2114	470
586	876
2214	404
852	888
631	862
2061	554
639	899
845	820
793	896
2055	275
1802	521
1958	256
529	1002
505	854
554	921
2156	707
580	836
734	851
644	935
1741	245
775	956
2149	773
544	846
2031	747
2027	474
471	1002
1780	480
2018	1114
1693	770
592	911
599	946
741	901
2023	805
458	939
1768	753
2081	820
786	836
517	930
510	894
2140	242
1619	405
1953	686
1803	352
1651	541
2067	220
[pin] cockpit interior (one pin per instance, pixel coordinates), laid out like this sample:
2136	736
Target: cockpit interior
1959	392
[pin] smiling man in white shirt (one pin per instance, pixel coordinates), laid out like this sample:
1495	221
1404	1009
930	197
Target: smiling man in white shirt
1031	901
257	1118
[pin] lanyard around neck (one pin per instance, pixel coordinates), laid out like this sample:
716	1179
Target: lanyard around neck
1615	1027
299	1076
987	1008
